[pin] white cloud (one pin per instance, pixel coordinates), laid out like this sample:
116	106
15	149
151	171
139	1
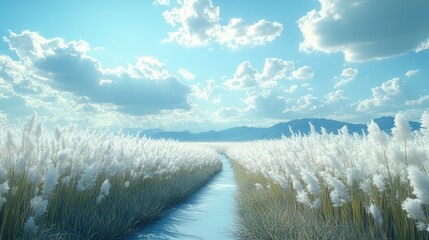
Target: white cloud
292	89
162	2
382	95
266	104
237	33
186	74
143	88
366	29
419	101
228	112
304	72
197	23
347	75
423	46
274	69
203	93
411	73
307	102
150	68
246	76
335	97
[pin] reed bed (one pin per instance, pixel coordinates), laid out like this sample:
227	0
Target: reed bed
86	184
372	185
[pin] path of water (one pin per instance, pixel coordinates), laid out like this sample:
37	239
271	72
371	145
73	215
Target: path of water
209	213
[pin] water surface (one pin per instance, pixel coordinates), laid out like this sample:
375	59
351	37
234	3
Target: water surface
208	214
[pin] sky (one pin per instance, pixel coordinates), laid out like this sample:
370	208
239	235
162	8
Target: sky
203	65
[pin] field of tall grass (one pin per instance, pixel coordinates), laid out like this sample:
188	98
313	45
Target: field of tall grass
83	184
326	186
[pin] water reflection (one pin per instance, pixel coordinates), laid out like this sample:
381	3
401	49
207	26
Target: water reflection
209	214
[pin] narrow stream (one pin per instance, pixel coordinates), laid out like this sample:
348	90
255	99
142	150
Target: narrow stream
208	214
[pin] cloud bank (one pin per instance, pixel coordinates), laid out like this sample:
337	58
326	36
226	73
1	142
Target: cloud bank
143	88
366	29
198	23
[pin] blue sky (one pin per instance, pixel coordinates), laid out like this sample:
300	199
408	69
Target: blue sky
207	64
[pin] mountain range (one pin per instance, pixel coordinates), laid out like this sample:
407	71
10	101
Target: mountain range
276	131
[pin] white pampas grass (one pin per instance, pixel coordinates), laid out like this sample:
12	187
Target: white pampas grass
379	182
375	212
375	135
104	190
39	205
401	131
4	188
339	194
312	182
420	183
50	181
30	225
414	209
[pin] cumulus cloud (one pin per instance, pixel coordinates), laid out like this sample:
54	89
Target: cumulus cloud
335	97
307	102
143	88
347	75
203	92
274	70
411	73
244	77
419	101
266	104
197	23
162	2
382	95
366	30
292	89
304	72
186	74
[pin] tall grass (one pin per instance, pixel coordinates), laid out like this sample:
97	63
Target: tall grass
376	182
82	184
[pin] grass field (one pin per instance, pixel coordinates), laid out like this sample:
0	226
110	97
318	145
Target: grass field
328	186
82	184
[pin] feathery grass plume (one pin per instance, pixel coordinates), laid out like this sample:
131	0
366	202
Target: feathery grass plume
420	183
39	205
104	190
301	194
50	182
87	180
339	194
375	212
414	209
30	225
380	182
401	131
365	185
281	181
4	188
375	135
312	182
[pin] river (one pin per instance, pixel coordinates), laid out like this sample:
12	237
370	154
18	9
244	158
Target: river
208	214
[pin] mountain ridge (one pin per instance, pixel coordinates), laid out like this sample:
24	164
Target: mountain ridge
245	133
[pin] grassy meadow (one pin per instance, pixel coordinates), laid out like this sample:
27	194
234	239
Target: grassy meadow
83	184
326	186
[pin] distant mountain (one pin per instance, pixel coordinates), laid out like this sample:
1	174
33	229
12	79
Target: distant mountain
386	124
276	131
